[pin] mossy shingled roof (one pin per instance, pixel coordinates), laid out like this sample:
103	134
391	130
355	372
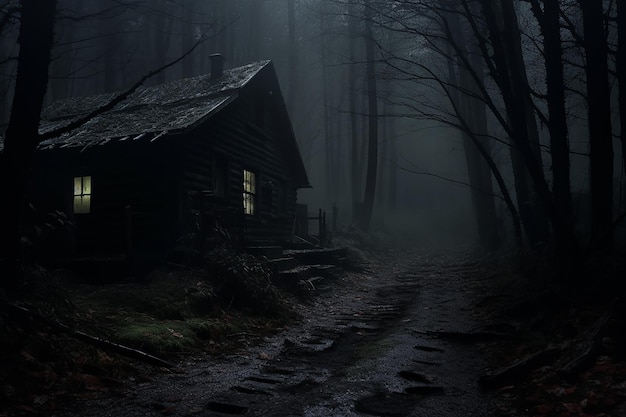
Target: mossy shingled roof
148	113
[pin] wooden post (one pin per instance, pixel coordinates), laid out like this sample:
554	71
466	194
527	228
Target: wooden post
325	228
129	231
320	229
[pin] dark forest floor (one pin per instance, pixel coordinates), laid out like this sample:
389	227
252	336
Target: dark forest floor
416	332
569	353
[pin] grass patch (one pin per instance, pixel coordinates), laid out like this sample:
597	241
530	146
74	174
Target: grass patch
177	311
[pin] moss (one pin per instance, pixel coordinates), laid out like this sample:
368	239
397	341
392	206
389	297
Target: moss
157	337
175	311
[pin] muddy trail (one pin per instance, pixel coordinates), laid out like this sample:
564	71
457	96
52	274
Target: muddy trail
368	344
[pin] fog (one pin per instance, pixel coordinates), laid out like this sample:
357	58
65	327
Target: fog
431	87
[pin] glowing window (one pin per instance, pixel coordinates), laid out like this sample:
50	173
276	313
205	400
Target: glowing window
82	195
249	192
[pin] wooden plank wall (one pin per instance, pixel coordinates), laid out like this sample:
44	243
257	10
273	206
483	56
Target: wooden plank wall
233	135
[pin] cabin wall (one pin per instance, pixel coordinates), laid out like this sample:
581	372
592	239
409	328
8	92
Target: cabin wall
235	140
149	195
133	201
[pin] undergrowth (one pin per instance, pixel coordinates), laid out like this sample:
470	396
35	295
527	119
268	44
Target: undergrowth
215	308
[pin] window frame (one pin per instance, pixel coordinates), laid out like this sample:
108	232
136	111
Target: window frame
82	194
250	194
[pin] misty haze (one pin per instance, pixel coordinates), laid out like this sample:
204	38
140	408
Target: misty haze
312	208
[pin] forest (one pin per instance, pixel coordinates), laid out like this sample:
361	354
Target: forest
494	122
490	124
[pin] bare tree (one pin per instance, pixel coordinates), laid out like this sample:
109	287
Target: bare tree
550	24
599	112
621	73
293	57
474	111
20	140
355	177
372	115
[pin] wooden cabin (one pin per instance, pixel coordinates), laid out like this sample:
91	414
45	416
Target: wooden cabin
172	162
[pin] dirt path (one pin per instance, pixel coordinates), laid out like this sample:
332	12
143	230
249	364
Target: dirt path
361	350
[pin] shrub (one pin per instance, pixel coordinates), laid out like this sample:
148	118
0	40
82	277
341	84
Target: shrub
243	282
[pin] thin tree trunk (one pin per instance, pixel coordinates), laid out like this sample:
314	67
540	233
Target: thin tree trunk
392	185
20	140
383	161
188	37
372	149
107	29
255	17
355	183
505	37
328	153
474	112
599	111
163	33
559	143
61	84
293	59
621	74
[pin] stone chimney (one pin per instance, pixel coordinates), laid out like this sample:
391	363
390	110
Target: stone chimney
217	66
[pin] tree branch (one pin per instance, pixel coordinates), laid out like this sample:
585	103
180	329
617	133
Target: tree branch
116	100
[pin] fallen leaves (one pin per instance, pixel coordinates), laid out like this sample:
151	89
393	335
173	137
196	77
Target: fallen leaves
597	393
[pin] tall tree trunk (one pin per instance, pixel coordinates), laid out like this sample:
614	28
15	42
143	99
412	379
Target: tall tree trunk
550	24
328	143
392	185
530	183
108	33
223	12
187	38
61	67
372	148
621	73
293	59
255	34
474	112
383	163
21	137
355	183
163	22
599	110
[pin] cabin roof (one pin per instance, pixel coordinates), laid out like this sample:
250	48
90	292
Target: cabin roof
153	112
150	112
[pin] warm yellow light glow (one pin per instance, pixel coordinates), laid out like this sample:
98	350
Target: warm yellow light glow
249	181
78	185
86	186
249	192
248	204
82	195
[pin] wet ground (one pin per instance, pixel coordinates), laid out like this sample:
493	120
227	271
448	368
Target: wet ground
362	348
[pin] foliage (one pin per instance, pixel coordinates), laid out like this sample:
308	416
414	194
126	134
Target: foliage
243	281
46	235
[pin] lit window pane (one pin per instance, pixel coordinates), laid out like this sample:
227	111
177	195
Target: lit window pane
82	204
248	204
249	192
252	183
78	185
86	185
82	195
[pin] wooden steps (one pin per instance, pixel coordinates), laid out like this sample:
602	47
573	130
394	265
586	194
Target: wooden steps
334	256
268	251
300	268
